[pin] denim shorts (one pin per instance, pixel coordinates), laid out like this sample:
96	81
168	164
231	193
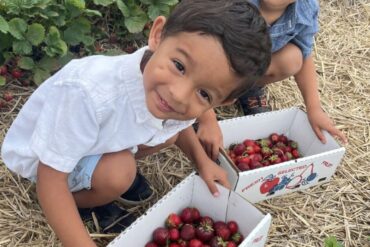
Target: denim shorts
80	177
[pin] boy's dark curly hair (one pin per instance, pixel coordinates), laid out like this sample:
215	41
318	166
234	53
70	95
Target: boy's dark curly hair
238	26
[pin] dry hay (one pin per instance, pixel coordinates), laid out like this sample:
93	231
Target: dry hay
339	208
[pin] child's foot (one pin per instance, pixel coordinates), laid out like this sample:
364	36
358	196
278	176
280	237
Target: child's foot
254	101
111	218
138	193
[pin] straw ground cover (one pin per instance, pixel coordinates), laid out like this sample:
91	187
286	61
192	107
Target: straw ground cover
339	208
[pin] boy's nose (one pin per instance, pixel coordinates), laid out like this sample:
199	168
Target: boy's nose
181	94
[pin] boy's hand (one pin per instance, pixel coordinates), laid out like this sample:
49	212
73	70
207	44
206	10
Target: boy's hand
212	173
209	134
320	121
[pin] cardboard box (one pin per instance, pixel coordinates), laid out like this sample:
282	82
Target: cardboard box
317	165
192	191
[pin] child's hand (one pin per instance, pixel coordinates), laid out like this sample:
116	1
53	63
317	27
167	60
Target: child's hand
212	173
210	136
320	121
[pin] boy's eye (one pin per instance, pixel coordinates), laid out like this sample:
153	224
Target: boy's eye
205	95
179	66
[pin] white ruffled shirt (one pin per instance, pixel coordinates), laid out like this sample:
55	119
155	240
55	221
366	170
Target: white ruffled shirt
93	105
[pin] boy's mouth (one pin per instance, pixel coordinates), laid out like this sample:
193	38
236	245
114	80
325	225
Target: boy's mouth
164	106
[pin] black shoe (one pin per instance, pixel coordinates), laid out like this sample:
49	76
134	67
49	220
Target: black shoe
138	193
254	102
111	218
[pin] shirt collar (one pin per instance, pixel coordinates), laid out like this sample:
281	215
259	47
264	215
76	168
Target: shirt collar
132	78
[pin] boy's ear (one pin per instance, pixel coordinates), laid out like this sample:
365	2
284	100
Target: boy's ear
229	102
155	33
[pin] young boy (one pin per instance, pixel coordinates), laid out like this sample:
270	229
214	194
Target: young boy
80	132
292	26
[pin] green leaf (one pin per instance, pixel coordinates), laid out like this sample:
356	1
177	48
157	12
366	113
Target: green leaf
331	241
35	33
78	4
55	45
66	58
6	41
2	80
77	31
26	63
156	10
17	28
48	63
40	75
22	47
104	2
136	24
123	8
4	26
91	12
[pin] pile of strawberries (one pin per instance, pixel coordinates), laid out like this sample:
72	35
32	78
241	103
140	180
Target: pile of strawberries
253	154
190	229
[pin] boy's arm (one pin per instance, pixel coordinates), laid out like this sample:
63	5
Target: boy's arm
208	170
59	207
209	134
307	84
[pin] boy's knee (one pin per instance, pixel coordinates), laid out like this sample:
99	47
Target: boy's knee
287	62
115	173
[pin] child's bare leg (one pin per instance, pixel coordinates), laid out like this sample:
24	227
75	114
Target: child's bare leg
286	62
112	176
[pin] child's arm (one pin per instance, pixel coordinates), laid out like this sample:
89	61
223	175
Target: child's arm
209	134
307	84
208	170
59	207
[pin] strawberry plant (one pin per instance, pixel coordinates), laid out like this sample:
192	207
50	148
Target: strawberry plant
331	241
37	37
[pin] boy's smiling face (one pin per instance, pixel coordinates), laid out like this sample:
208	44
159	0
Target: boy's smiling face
187	74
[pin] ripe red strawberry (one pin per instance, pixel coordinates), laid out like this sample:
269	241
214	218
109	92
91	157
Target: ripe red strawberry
265	163
249	150
204	231
231	244
255	164
206	220
218	224
243	166
237	237
195	214
174	245
265	142
256	148
3	70
243	159
187	232
288	149
160	235
223	232
282	138
16	73
174	234
187	215
8	96
233	226
239	149
295	153
278	151
173	221
274	159
195	243
249	142
274	138
255	157
217	242
151	244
